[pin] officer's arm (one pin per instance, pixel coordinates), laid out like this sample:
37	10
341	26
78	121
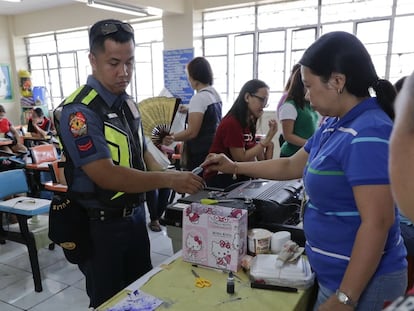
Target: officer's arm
118	178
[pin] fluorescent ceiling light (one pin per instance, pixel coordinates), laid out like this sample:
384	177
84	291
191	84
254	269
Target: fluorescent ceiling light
12	0
118	7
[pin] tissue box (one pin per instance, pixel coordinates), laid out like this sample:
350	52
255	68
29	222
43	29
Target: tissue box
214	236
298	274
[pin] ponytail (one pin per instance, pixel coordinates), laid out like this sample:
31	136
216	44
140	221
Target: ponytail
386	94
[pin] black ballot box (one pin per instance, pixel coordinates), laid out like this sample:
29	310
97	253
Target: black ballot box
271	205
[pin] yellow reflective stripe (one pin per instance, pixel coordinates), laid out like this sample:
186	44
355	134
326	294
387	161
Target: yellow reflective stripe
72	96
88	98
119	147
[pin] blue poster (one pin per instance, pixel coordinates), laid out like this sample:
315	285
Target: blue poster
5	83
175	78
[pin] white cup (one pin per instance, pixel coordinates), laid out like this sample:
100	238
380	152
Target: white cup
278	240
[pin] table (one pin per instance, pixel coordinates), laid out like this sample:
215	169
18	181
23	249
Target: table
5	142
30	140
173	282
33	228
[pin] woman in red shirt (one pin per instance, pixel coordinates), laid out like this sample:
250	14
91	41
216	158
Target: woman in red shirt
236	133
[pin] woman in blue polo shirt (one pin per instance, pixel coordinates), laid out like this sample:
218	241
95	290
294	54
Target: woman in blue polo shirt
351	224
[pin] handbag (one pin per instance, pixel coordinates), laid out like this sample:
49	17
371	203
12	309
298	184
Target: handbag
69	228
184	156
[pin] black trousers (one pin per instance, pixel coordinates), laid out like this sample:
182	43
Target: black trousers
120	255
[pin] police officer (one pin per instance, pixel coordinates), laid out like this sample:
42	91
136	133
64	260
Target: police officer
108	167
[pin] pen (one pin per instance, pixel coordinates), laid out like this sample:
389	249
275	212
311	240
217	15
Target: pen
274	287
197	170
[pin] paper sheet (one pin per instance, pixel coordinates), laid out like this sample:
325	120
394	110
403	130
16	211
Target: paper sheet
131	301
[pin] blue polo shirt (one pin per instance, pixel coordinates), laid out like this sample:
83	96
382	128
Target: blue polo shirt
343	153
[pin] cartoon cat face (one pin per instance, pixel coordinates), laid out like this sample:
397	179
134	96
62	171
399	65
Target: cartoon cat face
194	242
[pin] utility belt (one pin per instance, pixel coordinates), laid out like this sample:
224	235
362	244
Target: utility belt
106	213
111	213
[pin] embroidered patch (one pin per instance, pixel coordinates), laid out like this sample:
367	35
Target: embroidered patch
85	146
77	124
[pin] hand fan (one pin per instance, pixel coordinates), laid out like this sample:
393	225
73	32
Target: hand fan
157	114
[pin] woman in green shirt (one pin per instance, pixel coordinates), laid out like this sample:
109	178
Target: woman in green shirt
299	121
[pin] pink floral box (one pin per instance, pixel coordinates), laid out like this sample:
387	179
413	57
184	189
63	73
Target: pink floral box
214	236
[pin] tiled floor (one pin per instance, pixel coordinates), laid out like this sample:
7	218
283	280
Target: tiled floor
63	283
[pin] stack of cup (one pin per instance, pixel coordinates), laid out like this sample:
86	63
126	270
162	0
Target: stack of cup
278	240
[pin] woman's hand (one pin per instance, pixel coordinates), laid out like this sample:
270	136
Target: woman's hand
183	109
168	140
270	133
218	163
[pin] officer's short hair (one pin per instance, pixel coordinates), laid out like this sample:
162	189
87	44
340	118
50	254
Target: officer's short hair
109	29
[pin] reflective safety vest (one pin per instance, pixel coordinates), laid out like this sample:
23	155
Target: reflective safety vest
123	134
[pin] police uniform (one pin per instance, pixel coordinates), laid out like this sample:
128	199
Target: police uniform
96	124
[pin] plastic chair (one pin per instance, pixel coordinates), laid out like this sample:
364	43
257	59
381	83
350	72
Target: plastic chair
38	171
24	207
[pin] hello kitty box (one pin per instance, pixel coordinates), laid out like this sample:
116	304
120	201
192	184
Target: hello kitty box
214	236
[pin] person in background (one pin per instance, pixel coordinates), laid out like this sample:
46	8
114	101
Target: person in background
108	167
402	150
39	125
9	131
406	225
236	133
299	120
351	224
283	98
157	201
204	115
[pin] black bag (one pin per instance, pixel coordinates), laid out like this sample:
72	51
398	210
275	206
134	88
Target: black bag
184	156
69	228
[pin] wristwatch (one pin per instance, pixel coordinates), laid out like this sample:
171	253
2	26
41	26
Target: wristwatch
343	298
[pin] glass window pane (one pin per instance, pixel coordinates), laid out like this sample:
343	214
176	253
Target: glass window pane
270	69
400	44
67	59
235	21
42	44
84	68
350	9
219	67
52	61
144	84
243	70
36	62
373	32
148	31
69	83
348	27
405	7
38	78
70	41
215	46
243	44
272	41
301	39
401	65
287	14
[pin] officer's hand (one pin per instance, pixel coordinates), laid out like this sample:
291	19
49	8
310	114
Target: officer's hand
185	182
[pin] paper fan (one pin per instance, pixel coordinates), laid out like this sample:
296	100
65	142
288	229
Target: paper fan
157	114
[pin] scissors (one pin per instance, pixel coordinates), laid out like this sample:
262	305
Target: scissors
200	282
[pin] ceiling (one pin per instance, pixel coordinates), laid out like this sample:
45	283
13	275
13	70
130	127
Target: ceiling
28	6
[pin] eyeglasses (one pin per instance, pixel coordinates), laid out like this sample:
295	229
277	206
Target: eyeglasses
110	28
263	100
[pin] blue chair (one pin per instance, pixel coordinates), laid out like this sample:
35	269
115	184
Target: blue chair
14	184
